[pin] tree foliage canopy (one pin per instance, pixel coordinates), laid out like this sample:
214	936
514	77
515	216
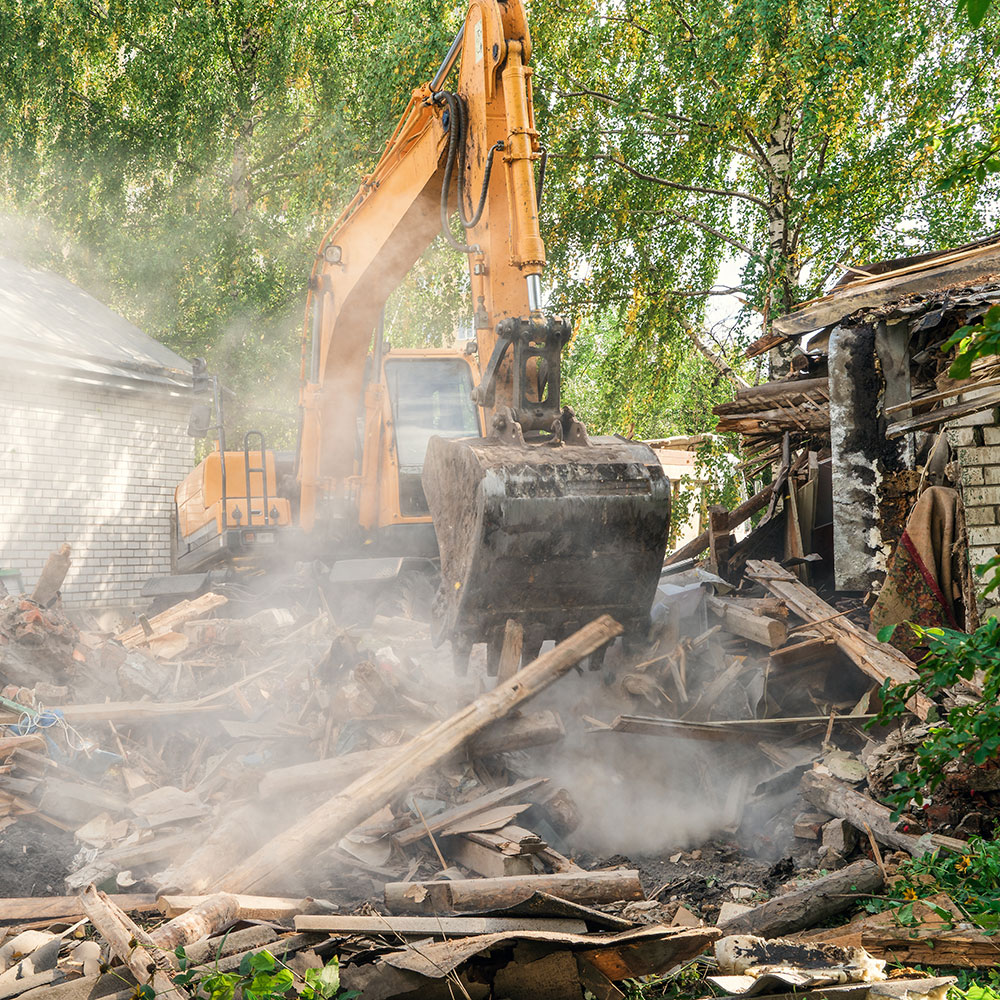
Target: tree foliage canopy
181	158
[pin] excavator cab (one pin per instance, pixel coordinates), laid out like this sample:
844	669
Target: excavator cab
429	396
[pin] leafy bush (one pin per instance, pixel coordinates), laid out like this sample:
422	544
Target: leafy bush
260	977
970	732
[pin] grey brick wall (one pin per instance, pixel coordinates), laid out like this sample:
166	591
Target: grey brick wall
96	467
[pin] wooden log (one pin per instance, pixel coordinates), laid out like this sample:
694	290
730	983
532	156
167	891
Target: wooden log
780	389
205	919
749	623
737	516
52	576
129	943
336	925
878	660
809	905
510	654
250	907
364	797
8	744
481	894
532	730
841	800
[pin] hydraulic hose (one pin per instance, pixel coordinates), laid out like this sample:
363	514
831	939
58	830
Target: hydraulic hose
457	129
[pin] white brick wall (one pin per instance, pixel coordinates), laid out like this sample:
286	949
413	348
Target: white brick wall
95	467
978	449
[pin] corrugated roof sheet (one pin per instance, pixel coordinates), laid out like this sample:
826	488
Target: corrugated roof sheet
49	325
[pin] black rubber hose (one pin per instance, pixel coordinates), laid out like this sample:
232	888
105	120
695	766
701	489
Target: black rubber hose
457	133
541	178
454	152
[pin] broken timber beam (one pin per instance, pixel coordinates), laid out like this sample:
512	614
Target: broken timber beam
810	905
737	516
878	660
840	800
364	797
750	624
129	943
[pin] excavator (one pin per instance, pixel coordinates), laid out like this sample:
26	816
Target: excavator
466	453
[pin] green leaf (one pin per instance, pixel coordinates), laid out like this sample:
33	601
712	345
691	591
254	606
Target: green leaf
977	10
885	633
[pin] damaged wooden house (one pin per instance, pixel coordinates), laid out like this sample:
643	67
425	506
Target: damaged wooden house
892	465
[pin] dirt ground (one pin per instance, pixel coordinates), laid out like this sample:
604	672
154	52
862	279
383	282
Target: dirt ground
34	859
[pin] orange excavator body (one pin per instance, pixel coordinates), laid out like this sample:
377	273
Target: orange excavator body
468	451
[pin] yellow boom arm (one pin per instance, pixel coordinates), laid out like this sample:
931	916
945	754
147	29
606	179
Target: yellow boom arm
441	146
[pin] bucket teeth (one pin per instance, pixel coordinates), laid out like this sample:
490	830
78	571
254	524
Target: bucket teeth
546	536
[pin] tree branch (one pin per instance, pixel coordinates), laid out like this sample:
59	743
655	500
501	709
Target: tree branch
726	192
715	360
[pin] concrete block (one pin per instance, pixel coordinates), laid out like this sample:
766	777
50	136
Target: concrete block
959	437
991	435
985	455
991	474
981	496
981	515
984	535
838	835
973	475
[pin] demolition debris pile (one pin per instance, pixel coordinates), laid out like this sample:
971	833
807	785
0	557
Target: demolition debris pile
197	760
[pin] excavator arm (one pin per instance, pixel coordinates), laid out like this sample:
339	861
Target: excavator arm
479	139
536	522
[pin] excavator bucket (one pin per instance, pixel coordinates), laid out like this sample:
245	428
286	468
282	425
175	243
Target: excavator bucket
548	536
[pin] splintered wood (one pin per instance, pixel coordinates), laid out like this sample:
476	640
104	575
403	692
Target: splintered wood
878	660
360	800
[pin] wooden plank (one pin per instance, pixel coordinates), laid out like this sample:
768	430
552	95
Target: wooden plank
722	730
807	651
171	619
18	909
478	894
878	660
750	624
942	415
356	803
510	654
885	288
491	819
250	907
720	542
336	925
448	817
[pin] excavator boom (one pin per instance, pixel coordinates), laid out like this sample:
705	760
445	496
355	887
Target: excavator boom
534	521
